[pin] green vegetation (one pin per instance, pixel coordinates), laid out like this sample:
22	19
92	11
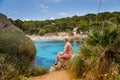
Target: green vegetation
99	56
87	22
37	70
17	52
21	77
75	67
117	78
41	32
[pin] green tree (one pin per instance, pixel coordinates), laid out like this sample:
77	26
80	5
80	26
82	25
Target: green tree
18	23
95	25
90	21
90	17
42	32
49	28
29	27
83	25
68	31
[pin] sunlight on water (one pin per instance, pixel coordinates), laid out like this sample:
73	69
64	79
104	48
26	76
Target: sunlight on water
47	50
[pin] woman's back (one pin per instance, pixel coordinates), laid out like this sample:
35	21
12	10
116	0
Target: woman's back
68	48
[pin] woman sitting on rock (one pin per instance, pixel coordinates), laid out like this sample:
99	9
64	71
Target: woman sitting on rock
68	50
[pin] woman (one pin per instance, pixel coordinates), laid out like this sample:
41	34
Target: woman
68	50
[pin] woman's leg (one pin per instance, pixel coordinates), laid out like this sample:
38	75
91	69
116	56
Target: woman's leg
64	56
61	62
58	57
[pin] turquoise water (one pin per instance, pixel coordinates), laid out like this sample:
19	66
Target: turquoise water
47	50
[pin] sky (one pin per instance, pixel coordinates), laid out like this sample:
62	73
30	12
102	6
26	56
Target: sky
54	9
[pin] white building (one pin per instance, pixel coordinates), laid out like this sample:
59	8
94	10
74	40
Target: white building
74	31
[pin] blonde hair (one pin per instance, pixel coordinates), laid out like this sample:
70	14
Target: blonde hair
66	38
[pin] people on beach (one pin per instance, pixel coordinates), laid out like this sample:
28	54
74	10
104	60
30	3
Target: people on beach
66	54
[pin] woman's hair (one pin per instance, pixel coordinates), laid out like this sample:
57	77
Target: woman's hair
66	38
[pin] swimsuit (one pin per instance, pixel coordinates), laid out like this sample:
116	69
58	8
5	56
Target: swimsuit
67	53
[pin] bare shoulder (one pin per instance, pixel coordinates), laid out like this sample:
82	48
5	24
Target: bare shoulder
68	44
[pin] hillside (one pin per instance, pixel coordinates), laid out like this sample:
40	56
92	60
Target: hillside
86	22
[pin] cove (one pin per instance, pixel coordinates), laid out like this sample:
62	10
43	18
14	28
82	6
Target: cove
47	50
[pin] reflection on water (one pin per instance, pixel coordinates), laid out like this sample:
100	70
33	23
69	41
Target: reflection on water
47	50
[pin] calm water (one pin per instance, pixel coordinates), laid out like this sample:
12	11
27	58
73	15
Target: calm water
47	50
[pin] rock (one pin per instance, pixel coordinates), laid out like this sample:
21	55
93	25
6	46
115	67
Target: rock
52	69
15	47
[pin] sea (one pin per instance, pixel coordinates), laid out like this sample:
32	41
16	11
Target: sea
48	49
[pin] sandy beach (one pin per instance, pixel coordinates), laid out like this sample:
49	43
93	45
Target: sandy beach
60	37
37	37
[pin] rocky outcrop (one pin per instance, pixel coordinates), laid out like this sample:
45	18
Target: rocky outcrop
3	21
16	49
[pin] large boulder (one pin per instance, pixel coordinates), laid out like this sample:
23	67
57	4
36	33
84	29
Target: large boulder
16	49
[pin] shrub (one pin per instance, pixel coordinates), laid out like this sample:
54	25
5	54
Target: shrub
18	51
37	70
75	67
100	55
7	69
21	77
117	78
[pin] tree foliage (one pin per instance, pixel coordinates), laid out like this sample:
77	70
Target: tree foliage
86	22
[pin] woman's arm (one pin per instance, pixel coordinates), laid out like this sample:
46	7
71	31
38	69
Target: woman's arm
72	50
66	47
